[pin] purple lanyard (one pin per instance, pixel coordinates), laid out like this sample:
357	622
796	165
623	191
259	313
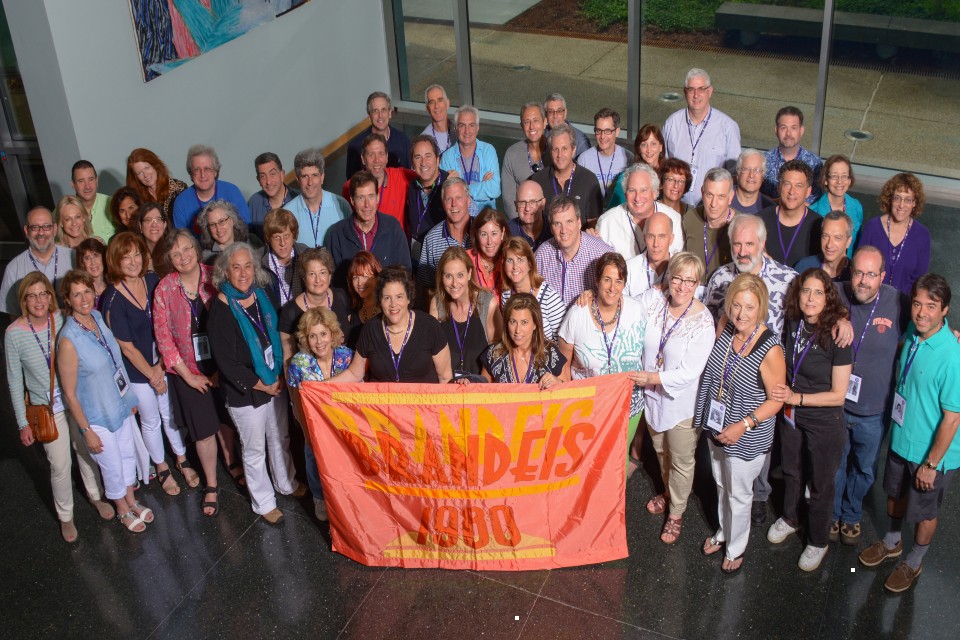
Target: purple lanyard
395	358
603	329
796	232
194	312
149	307
527	379
603	177
691	128
423	200
433	132
909	363
633	229
56	260
314	221
666	335
863	334
796	342
306	305
97	335
556	183
896	251
49	351
533	167
285	291
467	174
728	369
258	321
716	244
456	332
563	276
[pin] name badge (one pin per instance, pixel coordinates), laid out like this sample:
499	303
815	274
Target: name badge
788	415
853	389
156	357
899	408
715	419
201	347
121	382
57	403
268	356
693	169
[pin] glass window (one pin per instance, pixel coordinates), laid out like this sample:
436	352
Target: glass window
426	49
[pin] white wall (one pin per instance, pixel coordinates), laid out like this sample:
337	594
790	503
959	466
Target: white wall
298	81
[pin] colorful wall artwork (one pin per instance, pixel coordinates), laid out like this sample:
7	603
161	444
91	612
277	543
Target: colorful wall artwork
171	32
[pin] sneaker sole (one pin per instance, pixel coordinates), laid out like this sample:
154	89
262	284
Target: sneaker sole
810	569
892	554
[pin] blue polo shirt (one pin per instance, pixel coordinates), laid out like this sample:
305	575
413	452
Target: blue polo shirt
931	387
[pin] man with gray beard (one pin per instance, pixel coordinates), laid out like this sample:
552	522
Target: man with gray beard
42	255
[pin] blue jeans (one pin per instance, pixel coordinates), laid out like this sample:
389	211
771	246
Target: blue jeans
858	467
313	474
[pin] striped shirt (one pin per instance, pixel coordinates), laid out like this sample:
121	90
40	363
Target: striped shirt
551	308
27	367
571	278
746	393
435	243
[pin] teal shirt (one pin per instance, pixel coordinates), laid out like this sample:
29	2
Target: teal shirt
932	387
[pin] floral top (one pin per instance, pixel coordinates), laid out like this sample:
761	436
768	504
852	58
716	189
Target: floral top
304	367
500	366
173	319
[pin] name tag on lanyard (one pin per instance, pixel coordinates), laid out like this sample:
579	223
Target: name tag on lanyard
121	382
853	388
201	347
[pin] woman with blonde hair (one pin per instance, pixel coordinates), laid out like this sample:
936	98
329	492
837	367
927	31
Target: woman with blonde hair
72	221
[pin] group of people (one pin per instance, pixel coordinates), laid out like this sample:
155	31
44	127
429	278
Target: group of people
189	311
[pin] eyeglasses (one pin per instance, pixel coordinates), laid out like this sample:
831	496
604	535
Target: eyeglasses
749	170
833	177
675	181
33	228
199	171
817	293
152	221
323	273
856	273
219	223
696	90
606	132
33	297
523	204
556	112
686	282
904	199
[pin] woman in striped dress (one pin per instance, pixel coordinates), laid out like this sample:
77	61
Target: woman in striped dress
735	407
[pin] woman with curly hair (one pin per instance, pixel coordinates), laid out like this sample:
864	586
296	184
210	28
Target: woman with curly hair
904	242
150	178
812	429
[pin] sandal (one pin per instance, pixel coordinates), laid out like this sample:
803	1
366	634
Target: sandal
237	477
210	504
105	509
729	569
189	475
657	504
162	477
671	530
144	513
135	525
632	465
710	546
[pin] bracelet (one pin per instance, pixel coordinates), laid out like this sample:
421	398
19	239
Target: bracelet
801	399
83	431
756	420
746	425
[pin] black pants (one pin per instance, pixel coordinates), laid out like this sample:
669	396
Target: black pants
811	454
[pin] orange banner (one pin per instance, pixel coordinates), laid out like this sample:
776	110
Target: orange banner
484	476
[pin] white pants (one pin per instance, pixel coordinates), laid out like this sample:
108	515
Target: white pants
155	412
118	459
266	424
734	478
58	454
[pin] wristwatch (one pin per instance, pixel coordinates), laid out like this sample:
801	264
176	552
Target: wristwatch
930	465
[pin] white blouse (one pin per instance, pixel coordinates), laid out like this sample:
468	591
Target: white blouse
684	357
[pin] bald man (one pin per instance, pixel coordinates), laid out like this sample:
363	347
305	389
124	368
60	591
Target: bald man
530	223
649	269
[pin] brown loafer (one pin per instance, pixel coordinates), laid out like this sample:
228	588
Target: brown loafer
877	553
274	517
300	491
902	578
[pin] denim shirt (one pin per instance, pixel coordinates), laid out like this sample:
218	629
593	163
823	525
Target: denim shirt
98	394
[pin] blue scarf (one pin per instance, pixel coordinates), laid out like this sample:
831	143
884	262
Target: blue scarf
269	316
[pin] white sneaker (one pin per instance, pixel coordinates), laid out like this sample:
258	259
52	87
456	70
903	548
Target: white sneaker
779	531
320	509
811	558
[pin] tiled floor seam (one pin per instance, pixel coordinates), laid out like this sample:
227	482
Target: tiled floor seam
532	606
600	615
202	578
360	606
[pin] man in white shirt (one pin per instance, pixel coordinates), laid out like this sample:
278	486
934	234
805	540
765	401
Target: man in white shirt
622	227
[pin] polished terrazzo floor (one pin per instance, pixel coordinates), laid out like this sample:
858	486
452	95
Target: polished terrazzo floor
237	577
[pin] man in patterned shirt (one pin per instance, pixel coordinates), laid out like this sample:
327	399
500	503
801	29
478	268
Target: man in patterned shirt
566	261
789	129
